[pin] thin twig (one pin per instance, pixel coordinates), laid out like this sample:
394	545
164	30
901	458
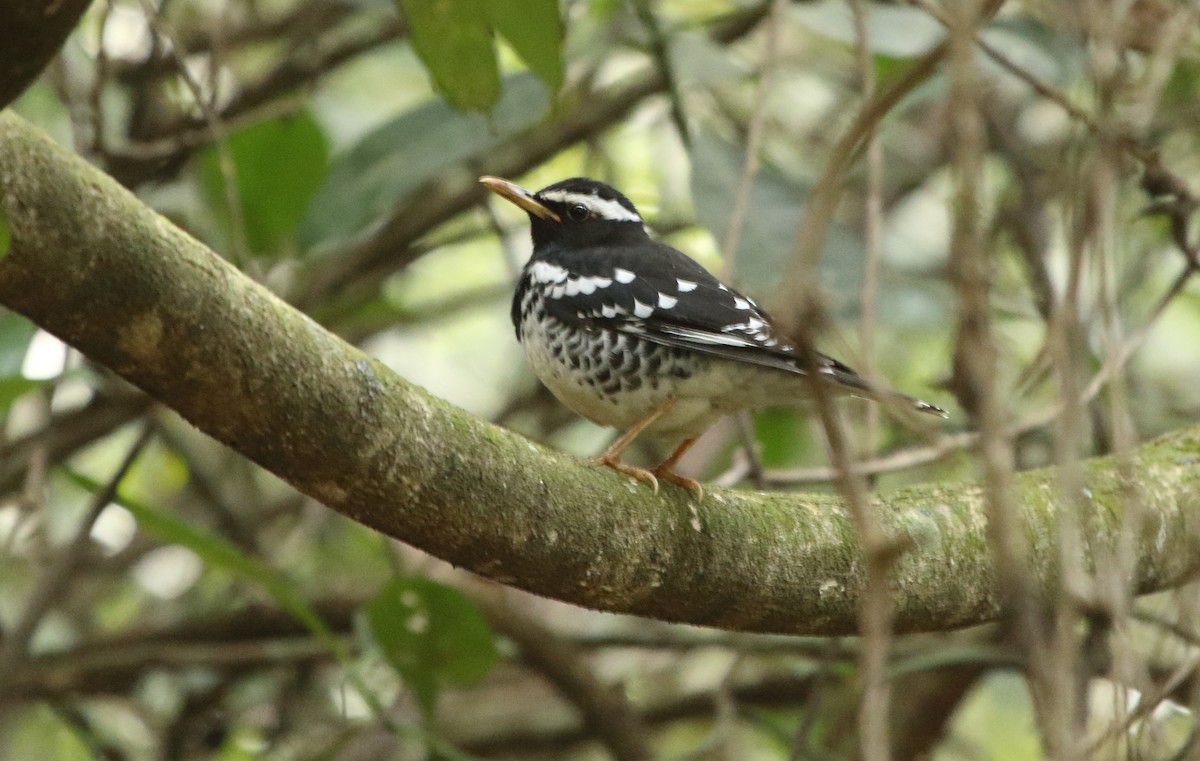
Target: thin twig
99	79
662	59
872	222
239	247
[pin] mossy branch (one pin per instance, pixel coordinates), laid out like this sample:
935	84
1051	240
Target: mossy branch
109	276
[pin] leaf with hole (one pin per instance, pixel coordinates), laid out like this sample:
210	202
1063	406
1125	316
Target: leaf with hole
433	635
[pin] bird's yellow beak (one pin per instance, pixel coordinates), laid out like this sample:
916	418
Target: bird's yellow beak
510	191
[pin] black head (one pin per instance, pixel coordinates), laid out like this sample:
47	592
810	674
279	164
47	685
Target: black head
574	212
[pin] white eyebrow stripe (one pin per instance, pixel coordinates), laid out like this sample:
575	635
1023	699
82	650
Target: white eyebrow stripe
605	208
685	285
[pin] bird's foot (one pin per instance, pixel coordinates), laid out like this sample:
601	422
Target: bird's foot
640	474
666	474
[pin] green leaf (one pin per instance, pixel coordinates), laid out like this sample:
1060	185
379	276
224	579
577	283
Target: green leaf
534	29
784	435
897	31
432	635
15	334
954	656
773	214
374	175
12	387
279	164
454	41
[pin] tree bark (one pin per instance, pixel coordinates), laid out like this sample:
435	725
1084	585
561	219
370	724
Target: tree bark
109	276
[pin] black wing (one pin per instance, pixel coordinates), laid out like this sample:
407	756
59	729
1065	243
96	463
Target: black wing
653	291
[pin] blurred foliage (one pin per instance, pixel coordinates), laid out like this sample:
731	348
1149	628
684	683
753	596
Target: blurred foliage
432	635
330	149
278	166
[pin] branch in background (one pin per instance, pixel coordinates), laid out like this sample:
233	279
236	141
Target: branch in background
32	32
117	281
604	709
69	432
168	144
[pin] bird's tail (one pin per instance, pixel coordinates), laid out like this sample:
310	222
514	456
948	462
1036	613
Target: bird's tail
856	385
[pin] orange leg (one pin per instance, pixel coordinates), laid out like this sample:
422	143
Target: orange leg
664	470
611	457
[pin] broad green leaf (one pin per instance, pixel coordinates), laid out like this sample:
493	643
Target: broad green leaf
773	214
454	41
534	29
278	164
392	161
15	334
432	635
897	31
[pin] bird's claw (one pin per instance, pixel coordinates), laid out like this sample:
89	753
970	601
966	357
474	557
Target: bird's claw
639	474
690	484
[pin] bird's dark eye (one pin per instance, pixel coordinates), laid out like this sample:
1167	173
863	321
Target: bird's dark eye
578	212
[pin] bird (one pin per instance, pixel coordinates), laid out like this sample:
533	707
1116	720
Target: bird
633	334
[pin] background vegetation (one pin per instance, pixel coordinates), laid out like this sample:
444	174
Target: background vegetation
987	204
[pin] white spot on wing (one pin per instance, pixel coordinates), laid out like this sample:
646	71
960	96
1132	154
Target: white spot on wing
608	311
557	291
665	301
740	303
642	311
545	272
623	275
685	285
